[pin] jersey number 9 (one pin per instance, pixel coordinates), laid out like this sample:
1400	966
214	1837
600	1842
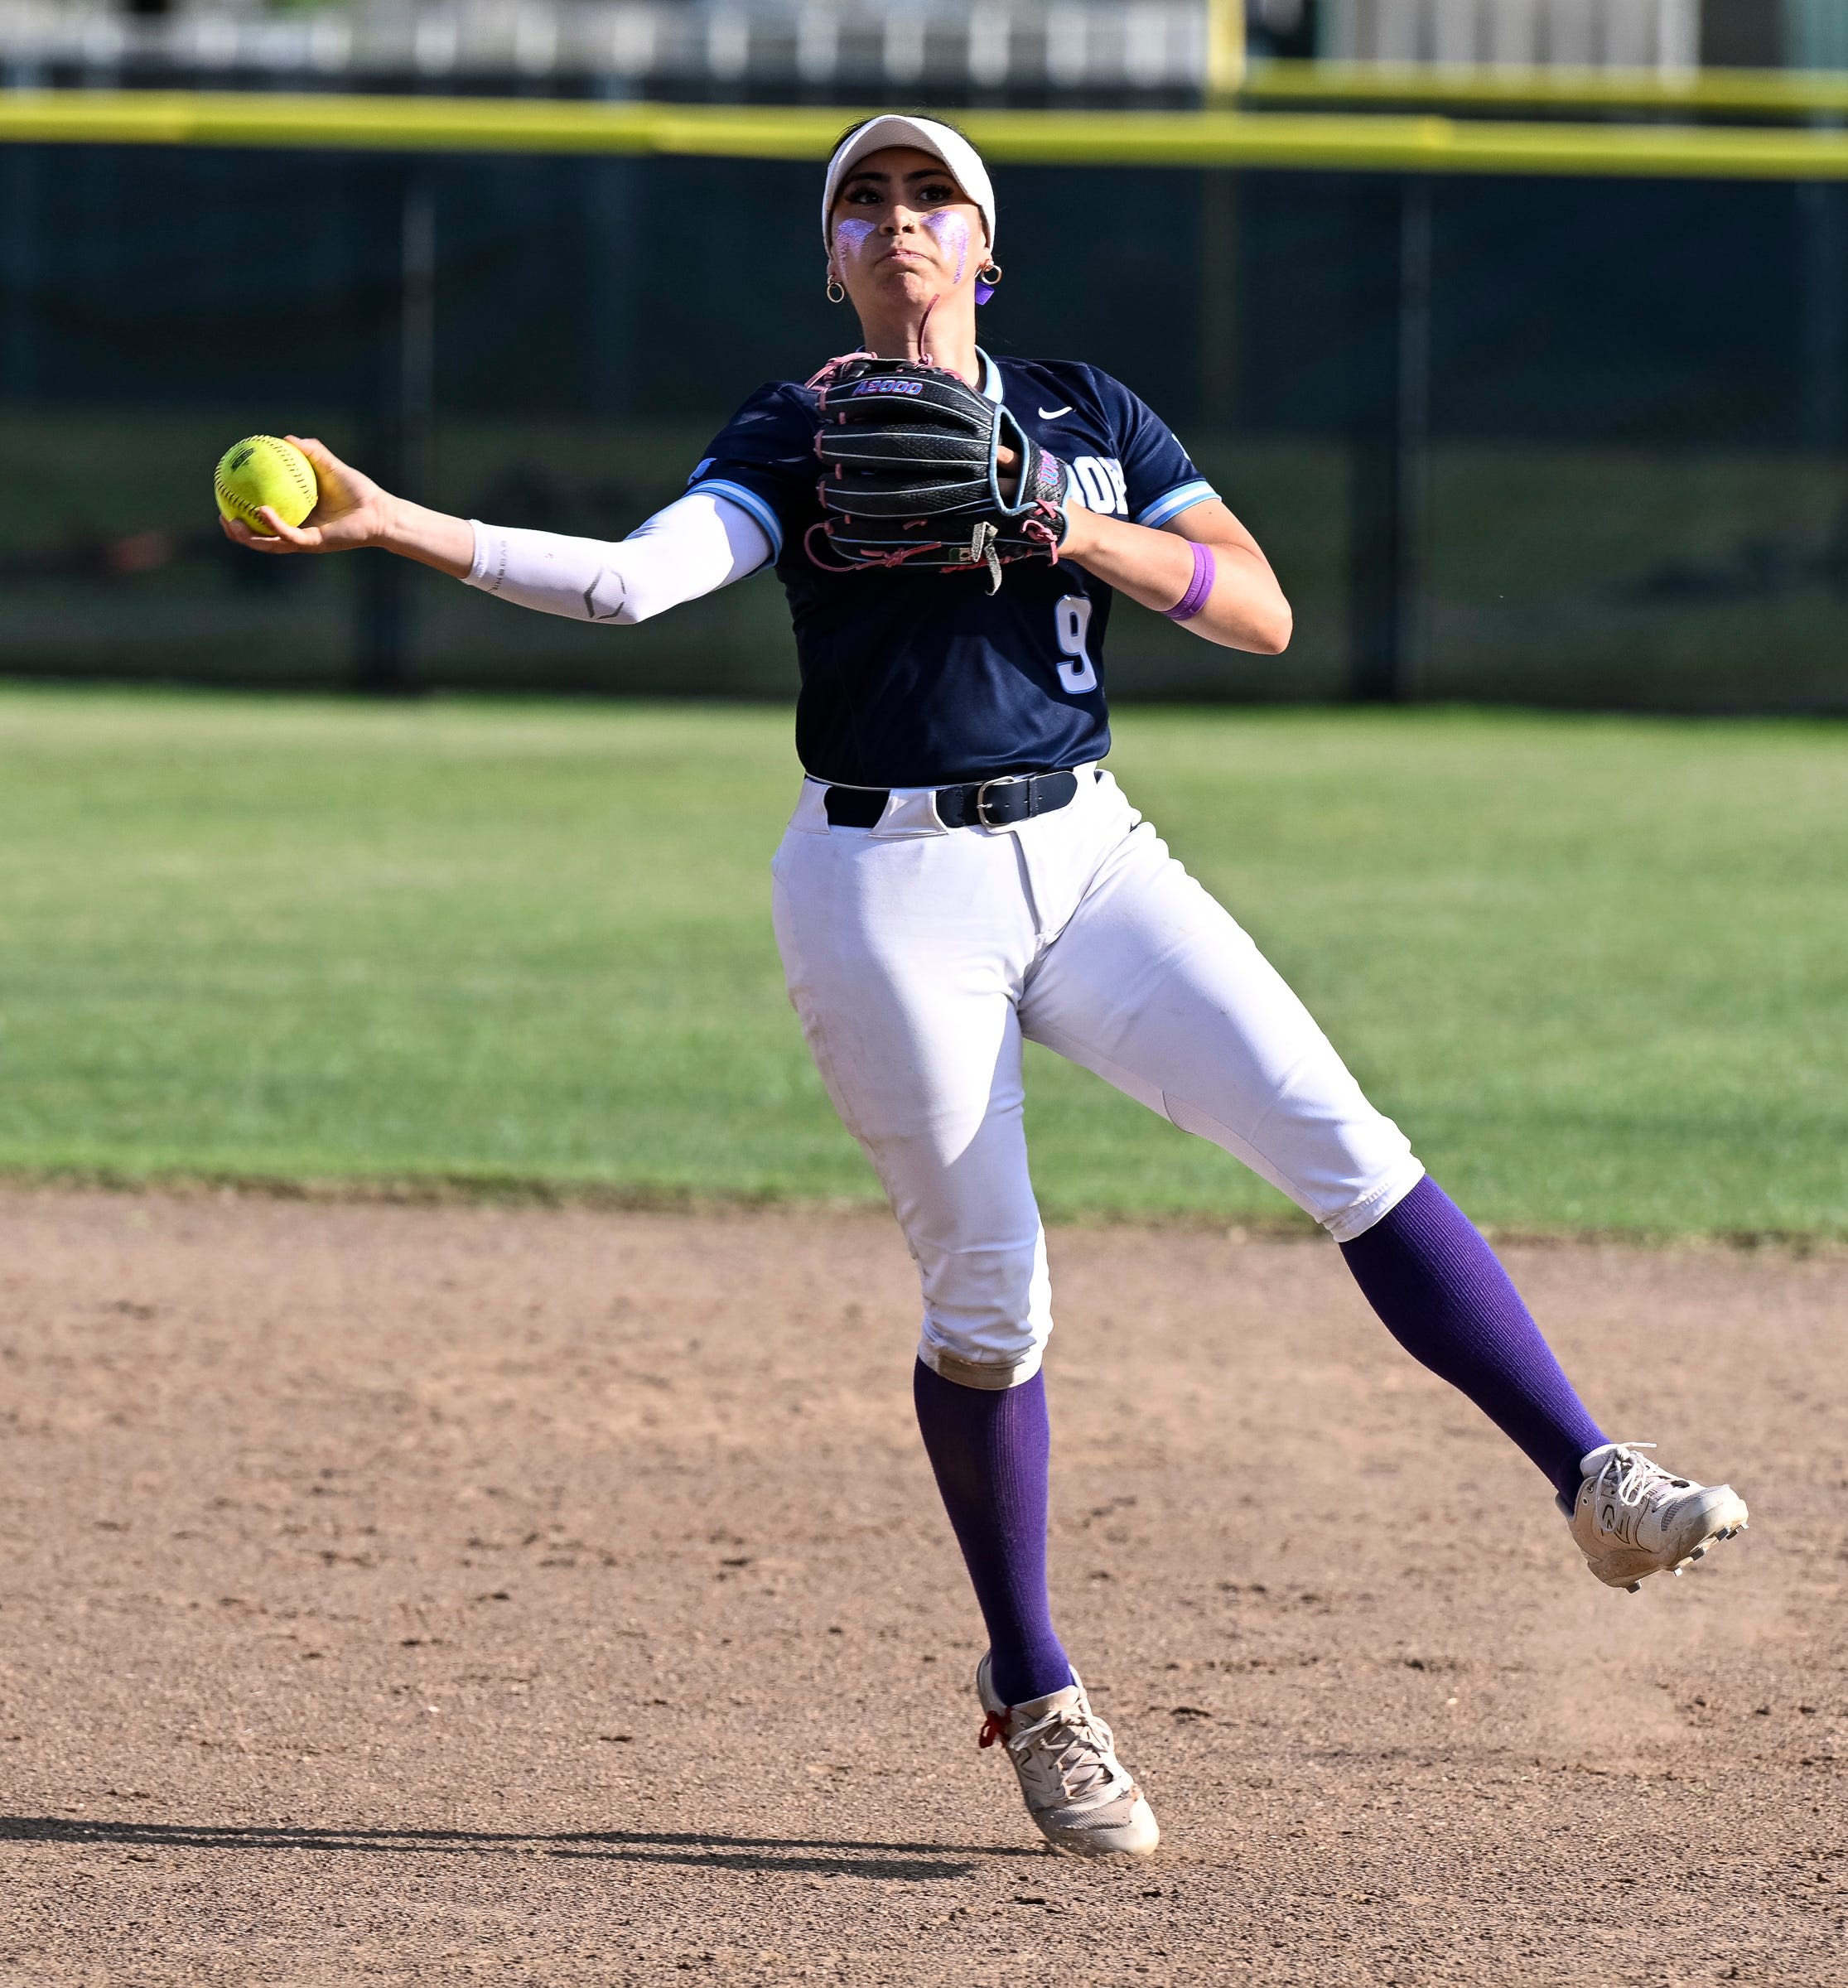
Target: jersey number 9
1071	620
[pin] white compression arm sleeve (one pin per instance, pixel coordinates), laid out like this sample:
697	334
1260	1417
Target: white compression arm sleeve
699	543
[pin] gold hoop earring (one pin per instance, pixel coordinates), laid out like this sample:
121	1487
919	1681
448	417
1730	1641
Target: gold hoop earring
836	294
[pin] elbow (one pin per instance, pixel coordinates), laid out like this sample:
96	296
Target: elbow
1270	632
620	600
1282	627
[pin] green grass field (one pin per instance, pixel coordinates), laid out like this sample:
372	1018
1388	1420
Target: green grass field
1595	967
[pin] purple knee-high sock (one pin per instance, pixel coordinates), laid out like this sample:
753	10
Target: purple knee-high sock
1445	1297
990	1452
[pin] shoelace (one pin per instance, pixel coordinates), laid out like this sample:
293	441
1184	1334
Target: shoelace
1638	1480
1073	1743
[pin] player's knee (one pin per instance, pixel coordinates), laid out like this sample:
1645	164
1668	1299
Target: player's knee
988	1313
1348	1168
1370	1196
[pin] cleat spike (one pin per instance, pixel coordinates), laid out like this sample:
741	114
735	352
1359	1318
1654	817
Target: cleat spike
1635	1587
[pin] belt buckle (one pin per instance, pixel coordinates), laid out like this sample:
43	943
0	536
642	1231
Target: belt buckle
1006	780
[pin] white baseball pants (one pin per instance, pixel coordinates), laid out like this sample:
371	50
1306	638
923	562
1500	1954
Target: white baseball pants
919	957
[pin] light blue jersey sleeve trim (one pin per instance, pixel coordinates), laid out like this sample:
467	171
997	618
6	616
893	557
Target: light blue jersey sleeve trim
752	504
1183	497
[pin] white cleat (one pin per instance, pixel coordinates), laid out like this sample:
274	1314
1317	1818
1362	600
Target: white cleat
1633	1519
1076	1789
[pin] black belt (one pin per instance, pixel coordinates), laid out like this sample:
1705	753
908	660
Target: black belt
997	803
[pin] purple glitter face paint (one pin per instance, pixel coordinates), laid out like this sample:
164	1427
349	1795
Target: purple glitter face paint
852	235
952	232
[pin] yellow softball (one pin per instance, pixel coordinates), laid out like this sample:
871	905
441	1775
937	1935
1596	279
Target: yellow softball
263	469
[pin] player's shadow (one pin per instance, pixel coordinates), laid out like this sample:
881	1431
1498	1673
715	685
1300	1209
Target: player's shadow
907	1863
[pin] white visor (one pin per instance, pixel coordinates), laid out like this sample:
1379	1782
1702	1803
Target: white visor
927	135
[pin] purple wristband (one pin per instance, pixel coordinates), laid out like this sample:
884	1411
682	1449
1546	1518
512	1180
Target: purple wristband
1199	588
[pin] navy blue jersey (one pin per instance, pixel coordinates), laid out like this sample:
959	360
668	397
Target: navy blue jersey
919	679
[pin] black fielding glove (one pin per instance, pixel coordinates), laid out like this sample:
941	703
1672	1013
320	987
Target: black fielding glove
909	477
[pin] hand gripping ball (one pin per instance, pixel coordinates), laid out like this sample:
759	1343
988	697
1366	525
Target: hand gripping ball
263	469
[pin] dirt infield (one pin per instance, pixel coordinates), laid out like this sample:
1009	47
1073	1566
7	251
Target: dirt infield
402	1594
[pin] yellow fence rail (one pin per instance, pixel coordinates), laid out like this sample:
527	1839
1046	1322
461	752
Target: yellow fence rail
1301	141
1763	93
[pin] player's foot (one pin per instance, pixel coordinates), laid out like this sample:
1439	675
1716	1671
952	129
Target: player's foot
1633	1519
1076	1789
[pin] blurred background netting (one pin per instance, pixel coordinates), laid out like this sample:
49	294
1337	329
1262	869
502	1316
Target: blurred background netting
1543	440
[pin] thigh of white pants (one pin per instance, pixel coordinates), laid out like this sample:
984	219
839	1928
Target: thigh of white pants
1155	987
903	959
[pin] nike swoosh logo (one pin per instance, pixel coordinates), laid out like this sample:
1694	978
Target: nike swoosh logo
1052	413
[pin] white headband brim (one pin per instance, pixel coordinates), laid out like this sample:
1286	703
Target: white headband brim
926	134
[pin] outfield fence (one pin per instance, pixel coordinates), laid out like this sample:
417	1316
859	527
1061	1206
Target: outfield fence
1528	406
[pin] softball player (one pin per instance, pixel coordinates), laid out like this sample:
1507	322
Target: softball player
962	874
